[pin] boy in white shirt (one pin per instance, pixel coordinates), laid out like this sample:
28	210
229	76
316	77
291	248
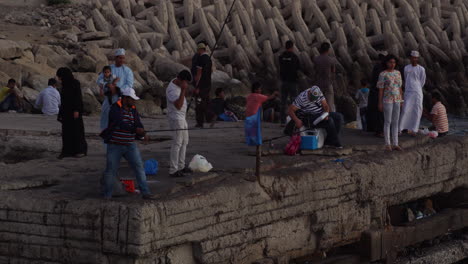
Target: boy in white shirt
176	112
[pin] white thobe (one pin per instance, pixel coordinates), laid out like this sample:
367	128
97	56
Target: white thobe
125	76
415	78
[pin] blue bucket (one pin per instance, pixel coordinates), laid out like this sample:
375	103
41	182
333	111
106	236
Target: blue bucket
151	167
309	142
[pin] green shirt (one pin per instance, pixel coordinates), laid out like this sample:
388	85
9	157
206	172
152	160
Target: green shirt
4	93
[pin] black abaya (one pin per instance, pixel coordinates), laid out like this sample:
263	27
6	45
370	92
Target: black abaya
73	134
375	118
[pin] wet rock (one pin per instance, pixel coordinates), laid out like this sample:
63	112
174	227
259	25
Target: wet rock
29	94
10	49
166	69
94	36
83	63
37	82
148	108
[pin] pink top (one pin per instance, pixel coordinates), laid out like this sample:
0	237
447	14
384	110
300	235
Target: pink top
254	102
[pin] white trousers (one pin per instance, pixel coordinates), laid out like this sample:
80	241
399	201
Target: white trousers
180	140
391	123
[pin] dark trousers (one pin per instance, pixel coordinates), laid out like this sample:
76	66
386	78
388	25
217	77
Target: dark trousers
9	103
363	113
374	117
201	106
288	90
333	125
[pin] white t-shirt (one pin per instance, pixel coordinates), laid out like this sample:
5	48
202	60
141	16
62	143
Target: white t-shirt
172	94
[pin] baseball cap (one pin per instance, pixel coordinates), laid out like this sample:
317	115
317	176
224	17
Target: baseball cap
201	45
315	93
130	93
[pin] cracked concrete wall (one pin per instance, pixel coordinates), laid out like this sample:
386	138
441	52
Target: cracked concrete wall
292	212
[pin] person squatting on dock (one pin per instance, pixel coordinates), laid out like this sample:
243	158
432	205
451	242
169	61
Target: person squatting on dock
308	107
124	127
176	112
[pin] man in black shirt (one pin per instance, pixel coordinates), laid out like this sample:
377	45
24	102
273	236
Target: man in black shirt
202	83
289	67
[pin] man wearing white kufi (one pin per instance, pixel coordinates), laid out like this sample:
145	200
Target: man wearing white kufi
125	81
415	78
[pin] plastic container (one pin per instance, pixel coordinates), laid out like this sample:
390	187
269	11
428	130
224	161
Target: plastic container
151	167
313	139
309	142
129	185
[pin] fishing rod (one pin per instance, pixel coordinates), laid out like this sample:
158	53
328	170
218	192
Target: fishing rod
215	46
190	129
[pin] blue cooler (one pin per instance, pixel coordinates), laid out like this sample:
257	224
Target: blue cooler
309	142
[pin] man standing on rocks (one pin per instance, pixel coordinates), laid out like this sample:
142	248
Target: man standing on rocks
289	68
176	112
125	76
325	68
202	84
9	100
415	78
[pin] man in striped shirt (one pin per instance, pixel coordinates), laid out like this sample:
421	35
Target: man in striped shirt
124	126
309	106
438	115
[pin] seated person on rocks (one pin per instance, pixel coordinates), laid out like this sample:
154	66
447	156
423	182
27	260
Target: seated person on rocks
49	99
438	115
9	99
256	99
219	108
309	106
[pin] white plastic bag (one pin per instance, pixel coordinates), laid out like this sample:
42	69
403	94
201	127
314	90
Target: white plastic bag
200	164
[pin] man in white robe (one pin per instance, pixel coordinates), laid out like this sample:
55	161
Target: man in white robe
126	81
415	78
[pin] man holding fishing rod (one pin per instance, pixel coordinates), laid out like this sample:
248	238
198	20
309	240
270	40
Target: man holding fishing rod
201	70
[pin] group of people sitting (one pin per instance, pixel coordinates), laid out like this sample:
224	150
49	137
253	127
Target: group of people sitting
47	102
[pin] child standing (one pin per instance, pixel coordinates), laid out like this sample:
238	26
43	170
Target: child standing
362	96
256	99
390	99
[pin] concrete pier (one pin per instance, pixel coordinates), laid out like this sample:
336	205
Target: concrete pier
51	210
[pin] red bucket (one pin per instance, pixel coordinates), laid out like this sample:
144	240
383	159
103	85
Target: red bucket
129	185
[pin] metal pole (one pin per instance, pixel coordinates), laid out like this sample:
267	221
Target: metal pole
258	162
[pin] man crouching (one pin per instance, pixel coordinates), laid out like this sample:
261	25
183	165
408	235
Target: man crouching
124	127
308	107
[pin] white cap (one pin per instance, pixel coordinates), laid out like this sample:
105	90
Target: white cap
415	54
119	52
130	93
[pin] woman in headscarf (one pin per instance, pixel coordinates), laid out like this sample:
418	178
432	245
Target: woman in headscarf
71	116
